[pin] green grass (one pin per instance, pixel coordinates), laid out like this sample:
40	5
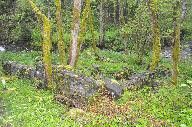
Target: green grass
171	105
28	107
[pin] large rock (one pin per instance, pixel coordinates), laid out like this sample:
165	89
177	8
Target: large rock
145	78
114	87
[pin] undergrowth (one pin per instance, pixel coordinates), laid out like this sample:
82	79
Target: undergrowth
25	106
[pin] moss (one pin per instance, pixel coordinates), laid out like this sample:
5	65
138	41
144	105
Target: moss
61	47
176	43
46	44
92	30
156	34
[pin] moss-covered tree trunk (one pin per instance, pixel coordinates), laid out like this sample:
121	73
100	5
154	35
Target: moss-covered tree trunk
176	41
91	25
46	44
61	47
152	4
75	32
102	24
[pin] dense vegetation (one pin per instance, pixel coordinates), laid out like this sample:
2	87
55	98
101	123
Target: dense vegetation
114	39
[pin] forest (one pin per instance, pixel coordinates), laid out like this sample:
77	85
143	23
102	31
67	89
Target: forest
95	63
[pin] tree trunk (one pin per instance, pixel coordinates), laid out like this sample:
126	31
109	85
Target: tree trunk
176	42
118	12
101	20
46	44
184	10
48	10
75	32
152	5
61	47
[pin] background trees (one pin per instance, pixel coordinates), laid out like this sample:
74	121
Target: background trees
26	22
118	25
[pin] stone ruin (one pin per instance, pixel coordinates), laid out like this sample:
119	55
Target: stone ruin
73	89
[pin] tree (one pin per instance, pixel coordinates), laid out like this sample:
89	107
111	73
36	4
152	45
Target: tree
152	5
176	41
61	47
102	24
46	44
75	32
184	9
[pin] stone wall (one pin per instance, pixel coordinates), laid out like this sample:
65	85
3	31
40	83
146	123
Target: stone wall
76	87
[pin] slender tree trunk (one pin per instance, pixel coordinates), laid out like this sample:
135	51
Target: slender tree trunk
61	47
126	11
118	12
152	4
87	17
101	20
184	10
91	25
83	28
75	32
122	18
46	44
48	9
176	42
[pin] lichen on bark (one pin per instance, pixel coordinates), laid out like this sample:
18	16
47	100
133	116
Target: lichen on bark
61	47
152	4
46	44
176	42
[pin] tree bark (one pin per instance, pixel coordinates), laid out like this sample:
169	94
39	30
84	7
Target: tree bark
46	45
75	32
184	10
118	12
101	20
61	47
152	5
48	10
176	42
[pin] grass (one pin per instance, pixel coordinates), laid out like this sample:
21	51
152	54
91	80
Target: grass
28	107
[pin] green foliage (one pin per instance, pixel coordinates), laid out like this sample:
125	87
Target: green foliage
26	107
170	104
37	38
